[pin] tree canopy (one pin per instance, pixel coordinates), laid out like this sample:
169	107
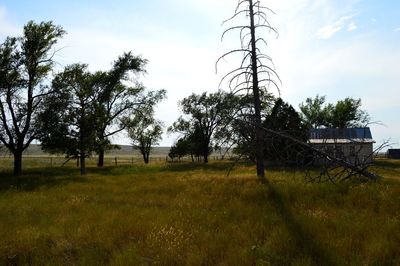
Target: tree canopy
280	117
284	119
119	94
144	131
25	63
69	117
205	115
345	113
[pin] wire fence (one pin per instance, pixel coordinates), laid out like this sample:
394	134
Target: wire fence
33	161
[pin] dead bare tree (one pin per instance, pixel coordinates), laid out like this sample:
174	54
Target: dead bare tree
330	166
254	76
256	72
334	169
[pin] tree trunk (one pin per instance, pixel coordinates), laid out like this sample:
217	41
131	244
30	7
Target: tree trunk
205	157
17	162
83	163
257	103
205	151
100	162
145	158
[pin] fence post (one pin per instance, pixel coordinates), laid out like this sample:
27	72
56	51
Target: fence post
116	162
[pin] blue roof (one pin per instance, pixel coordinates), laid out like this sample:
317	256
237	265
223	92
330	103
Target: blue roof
340	133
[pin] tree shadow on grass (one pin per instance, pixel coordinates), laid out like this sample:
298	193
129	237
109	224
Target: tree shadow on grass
212	166
302	236
391	164
105	170
392	167
34	179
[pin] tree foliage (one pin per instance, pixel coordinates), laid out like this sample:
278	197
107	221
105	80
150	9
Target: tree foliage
86	108
313	111
119	94
180	149
144	131
69	118
284	118
240	132
206	114
25	63
345	113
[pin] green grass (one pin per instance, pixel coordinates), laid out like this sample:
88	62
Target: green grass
191	214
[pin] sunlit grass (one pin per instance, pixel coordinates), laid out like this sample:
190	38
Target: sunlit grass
174	214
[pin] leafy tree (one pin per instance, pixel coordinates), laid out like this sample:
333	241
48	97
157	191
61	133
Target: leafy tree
68	119
24	66
284	119
345	113
206	114
179	149
117	99
313	111
256	72
145	132
240	132
190	144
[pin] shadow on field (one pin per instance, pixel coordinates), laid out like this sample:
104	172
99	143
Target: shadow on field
302	237
387	163
189	166
38	178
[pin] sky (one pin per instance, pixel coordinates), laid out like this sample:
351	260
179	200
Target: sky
337	48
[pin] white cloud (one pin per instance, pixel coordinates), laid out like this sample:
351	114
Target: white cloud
328	31
397	29
352	26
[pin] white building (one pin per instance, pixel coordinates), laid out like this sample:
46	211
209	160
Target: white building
354	145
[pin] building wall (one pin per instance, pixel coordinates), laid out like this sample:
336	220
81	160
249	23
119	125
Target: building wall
394	153
351	152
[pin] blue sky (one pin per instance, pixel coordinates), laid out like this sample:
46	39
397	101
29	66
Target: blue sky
337	48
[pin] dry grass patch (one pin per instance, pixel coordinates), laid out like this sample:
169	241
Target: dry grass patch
194	214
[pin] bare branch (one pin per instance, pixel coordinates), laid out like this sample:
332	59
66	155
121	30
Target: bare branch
234	16
241	2
229	53
233	28
229	74
269	28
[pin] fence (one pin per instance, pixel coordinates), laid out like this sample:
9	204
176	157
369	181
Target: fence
6	162
32	161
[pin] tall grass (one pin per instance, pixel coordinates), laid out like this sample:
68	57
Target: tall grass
177	214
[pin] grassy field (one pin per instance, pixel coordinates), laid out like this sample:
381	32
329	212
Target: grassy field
192	214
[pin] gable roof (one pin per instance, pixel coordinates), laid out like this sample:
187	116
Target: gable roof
341	135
